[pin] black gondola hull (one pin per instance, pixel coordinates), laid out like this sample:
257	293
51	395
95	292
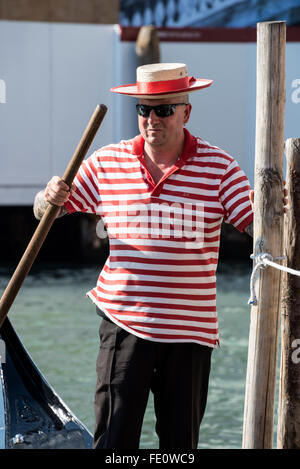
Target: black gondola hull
32	415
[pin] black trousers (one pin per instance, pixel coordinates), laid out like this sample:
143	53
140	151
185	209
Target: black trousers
128	367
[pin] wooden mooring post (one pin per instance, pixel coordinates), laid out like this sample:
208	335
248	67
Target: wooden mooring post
147	46
268	234
288	431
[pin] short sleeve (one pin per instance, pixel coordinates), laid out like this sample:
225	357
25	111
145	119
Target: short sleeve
234	196
86	196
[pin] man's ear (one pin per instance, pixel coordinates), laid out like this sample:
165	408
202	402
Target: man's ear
187	113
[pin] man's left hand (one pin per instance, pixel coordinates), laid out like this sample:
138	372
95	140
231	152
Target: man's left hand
285	199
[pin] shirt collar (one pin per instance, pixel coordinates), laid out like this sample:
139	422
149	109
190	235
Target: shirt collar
189	149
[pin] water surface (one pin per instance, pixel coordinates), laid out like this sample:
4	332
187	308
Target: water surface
59	326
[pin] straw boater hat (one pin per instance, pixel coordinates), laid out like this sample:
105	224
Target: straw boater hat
162	80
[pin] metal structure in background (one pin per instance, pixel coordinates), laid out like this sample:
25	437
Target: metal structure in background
201	13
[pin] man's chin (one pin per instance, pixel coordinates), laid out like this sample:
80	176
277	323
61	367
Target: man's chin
154	139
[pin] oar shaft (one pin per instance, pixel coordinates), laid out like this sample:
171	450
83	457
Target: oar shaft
49	216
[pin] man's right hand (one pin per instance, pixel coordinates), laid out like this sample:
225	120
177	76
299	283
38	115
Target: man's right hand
57	191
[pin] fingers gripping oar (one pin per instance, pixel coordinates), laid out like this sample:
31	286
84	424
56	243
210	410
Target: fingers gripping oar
49	216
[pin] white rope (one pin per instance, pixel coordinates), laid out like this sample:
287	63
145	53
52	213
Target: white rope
262	261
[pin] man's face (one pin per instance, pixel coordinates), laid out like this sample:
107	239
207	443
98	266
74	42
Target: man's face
163	131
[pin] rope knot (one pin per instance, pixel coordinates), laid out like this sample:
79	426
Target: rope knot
262	261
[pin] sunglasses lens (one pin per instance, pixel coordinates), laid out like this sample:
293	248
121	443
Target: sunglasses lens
163	110
143	110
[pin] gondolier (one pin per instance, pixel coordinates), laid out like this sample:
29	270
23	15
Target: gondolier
162	196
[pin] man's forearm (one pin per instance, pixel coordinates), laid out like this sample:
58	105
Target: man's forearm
40	206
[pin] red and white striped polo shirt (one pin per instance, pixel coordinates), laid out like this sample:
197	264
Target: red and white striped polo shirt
159	280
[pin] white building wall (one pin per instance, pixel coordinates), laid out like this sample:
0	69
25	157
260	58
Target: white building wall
221	112
56	73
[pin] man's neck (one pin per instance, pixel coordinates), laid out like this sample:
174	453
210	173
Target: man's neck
164	156
160	159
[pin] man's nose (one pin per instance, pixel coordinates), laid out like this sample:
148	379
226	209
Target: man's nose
153	116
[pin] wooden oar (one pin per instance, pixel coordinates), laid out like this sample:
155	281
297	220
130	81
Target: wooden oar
49	216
